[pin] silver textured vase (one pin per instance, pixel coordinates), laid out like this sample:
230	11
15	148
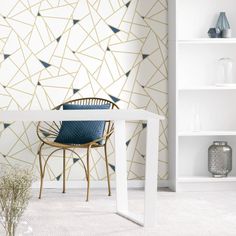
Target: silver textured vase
219	159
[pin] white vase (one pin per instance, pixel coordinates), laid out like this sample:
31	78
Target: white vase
225	73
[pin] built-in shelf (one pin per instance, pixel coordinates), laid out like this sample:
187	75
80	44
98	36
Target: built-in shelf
206	133
195	93
208	41
206	184
207	88
201	179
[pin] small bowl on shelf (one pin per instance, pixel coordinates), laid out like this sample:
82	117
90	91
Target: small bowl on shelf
214	33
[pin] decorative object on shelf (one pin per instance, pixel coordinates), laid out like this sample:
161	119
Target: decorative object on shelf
222	23
15	184
196	122
226	33
214	33
225	71
219	159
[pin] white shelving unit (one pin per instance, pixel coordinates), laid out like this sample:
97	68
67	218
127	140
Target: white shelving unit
206	88
192	82
206	133
207	41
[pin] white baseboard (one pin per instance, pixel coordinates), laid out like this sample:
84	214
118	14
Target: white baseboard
163	183
95	184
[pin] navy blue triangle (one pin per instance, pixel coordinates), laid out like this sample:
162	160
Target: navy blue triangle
58	39
144	125
6	56
75	90
127	4
46	134
115	30
75	21
127	74
128	142
113	167
114	99
58	177
5	125
75	160
144	56
45	64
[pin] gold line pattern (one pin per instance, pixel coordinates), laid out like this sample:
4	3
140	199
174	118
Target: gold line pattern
52	51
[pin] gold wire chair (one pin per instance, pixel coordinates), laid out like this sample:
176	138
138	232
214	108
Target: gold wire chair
48	131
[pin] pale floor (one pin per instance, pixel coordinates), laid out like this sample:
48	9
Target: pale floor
179	214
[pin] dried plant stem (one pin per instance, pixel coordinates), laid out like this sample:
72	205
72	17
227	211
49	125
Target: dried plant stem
15	186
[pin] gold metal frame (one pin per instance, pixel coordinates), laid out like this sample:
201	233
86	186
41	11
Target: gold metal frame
48	131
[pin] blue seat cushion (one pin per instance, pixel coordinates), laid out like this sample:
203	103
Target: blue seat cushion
81	132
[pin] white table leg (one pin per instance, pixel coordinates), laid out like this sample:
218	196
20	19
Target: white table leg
151	173
121	168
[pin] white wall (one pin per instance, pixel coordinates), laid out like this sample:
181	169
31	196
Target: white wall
53	51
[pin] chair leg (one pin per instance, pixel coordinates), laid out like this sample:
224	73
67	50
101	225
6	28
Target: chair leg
107	170
64	171
41	170
88	174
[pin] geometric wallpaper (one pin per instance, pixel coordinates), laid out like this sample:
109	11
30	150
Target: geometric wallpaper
53	51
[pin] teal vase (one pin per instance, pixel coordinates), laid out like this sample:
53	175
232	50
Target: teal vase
222	22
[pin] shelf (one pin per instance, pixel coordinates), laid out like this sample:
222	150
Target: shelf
207	88
197	93
200	184
206	133
207	41
205	179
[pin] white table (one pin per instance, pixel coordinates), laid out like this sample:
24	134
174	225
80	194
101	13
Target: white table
119	117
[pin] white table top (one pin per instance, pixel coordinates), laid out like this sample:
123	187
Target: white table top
53	115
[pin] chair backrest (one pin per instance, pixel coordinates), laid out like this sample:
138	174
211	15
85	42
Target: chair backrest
88	101
48	131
